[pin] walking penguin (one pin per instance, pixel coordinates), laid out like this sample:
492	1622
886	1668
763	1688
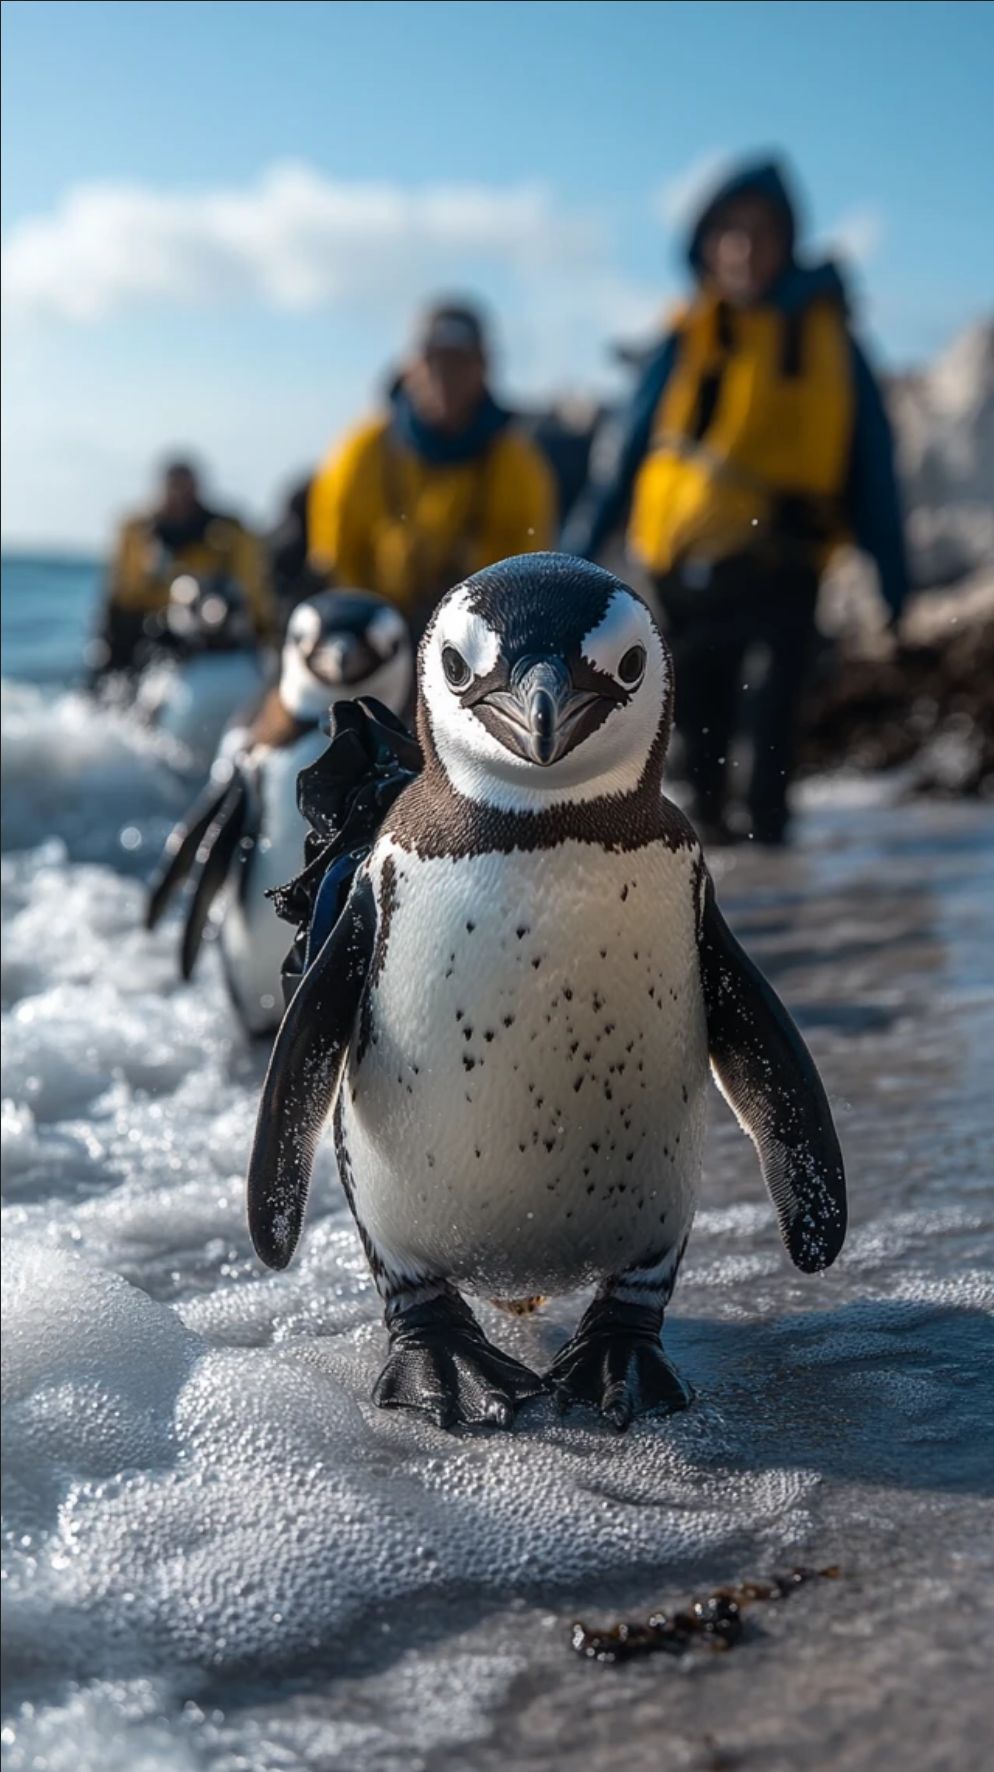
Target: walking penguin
514	1015
245	829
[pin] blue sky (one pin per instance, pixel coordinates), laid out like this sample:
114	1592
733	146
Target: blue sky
216	216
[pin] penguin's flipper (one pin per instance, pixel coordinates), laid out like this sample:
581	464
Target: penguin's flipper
213	860
768	1077
181	848
303	1078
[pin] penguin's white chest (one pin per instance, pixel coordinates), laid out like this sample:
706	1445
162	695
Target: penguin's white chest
524	1104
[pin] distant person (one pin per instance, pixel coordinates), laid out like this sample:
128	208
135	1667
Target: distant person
180	536
756	441
440	484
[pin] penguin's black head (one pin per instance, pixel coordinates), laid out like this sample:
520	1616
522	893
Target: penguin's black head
544	679
207	615
341	644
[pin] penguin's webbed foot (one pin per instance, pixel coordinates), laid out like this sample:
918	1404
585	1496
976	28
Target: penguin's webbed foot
614	1363
442	1363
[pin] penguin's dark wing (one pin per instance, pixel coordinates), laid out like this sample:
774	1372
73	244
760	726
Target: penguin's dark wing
768	1077
344	796
303	1077
215	854
181	848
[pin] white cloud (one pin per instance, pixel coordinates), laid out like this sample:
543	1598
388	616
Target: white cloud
293	240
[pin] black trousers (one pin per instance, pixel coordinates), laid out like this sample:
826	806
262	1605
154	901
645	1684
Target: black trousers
746	603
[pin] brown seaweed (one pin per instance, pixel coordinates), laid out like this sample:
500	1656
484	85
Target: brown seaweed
713	1622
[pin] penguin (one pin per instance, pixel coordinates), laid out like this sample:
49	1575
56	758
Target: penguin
245	828
203	665
513	1020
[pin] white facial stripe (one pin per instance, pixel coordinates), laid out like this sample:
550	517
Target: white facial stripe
305	623
626	623
385	629
458	625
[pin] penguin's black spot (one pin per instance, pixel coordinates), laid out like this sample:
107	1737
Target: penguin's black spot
508	1021
477	1151
624	892
603	953
488	1034
521	931
588	1057
468	1063
577	1085
652	992
449	971
609	1027
567	993
522	1147
429	1159
459	1014
469	928
574	1048
629	1156
539	1099
467	1032
630	1045
549	1143
590	1187
683	1091
608	1092
595	1147
598	1002
536	963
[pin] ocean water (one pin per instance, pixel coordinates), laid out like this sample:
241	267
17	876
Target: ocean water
219	1557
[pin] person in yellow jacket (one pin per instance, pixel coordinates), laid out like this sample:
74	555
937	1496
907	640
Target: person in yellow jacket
180	536
756	441
442	483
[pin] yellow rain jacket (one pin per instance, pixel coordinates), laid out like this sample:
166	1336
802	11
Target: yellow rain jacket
382	518
144	566
751	436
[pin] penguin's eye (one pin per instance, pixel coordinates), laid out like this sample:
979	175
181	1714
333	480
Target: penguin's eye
632	667
457	671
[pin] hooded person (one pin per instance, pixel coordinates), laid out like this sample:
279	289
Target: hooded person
755	443
441	484
180	537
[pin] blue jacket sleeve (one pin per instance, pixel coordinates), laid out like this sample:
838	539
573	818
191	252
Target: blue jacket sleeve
873	501
602	505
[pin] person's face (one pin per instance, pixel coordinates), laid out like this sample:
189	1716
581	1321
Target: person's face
179	492
446	386
744	250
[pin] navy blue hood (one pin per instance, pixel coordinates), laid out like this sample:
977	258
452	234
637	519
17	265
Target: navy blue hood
799	284
442	448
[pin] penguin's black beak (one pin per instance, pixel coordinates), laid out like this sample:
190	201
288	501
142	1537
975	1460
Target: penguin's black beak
542	714
341	659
